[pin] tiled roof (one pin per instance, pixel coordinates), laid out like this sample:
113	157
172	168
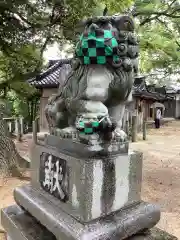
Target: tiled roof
139	84
161	90
141	89
171	90
53	75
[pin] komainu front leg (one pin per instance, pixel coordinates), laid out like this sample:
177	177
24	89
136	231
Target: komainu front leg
116	114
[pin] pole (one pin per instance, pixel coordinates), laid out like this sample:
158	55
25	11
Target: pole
10	127
134	128
6	130
127	128
22	125
19	135
144	130
35	131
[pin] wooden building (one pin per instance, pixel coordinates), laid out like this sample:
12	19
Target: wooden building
144	96
149	97
174	106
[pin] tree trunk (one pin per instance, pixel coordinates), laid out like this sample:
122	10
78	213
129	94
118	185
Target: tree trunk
11	163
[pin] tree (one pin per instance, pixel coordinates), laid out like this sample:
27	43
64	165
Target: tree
36	24
158	24
15	69
158	27
44	21
28	27
11	163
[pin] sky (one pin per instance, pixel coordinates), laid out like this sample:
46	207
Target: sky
53	52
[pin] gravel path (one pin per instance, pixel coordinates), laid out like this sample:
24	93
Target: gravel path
161	173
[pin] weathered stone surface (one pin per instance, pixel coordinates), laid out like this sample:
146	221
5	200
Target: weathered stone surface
155	234
115	227
22	226
97	186
84	150
121	224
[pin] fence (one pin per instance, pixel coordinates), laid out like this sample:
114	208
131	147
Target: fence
130	124
14	126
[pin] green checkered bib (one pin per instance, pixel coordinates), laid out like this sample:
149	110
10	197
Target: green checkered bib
97	46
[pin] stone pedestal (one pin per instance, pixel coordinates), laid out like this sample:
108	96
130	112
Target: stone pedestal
80	193
23	226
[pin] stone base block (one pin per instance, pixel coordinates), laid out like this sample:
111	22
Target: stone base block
22	226
119	225
84	150
91	187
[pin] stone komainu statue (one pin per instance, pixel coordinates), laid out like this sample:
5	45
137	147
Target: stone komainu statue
100	82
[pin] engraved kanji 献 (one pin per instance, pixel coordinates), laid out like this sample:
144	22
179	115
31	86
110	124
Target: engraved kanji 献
48	181
53	177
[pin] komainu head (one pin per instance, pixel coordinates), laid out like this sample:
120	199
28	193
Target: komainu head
109	40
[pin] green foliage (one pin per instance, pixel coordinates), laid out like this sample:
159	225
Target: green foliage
18	105
158	24
5	108
117	6
158	27
112	5
29	26
17	67
158	49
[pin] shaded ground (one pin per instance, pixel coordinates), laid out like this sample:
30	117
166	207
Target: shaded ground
6	195
161	174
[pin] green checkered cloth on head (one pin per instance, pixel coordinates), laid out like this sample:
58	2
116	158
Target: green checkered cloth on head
97	46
